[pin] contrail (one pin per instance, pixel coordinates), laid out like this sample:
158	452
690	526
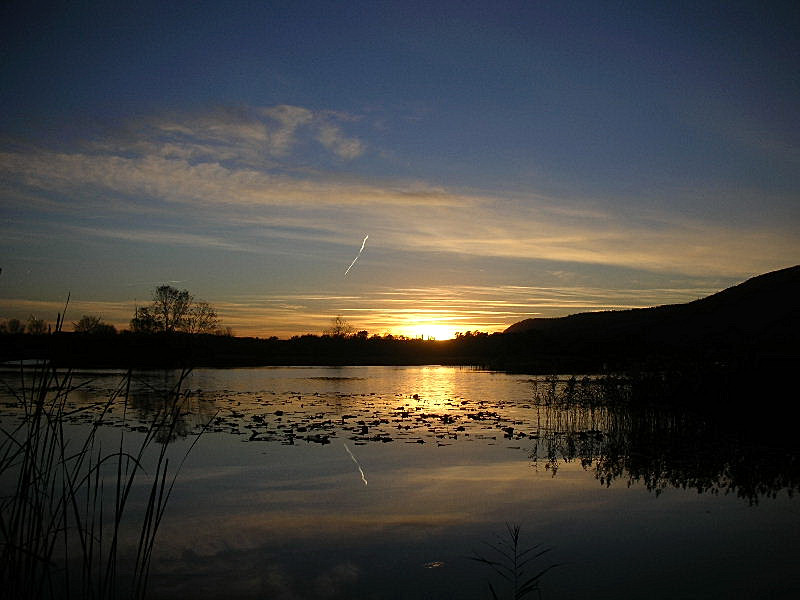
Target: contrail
355	460
357	255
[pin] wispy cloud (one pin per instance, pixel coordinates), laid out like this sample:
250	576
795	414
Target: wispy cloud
332	138
254	136
404	216
204	184
162	237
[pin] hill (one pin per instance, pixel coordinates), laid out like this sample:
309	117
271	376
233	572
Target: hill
759	317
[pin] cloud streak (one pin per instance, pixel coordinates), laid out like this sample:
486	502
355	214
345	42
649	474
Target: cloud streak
407	216
254	136
385	310
465	307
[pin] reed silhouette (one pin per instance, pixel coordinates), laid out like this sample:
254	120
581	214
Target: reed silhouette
65	521
626	431
513	563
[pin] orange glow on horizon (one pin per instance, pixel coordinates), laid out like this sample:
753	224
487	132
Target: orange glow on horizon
428	330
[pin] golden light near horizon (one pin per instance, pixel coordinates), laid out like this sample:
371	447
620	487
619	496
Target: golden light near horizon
429	330
422	315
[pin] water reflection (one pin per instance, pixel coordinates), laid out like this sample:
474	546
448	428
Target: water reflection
191	413
626	439
270	502
595	422
135	401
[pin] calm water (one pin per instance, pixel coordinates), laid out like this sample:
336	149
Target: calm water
380	482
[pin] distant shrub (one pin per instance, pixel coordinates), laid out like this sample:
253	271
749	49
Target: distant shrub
94	325
12	326
36	326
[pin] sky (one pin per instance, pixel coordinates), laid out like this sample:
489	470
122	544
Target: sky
507	160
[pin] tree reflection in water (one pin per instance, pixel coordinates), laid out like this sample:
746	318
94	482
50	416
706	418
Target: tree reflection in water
192	413
612	428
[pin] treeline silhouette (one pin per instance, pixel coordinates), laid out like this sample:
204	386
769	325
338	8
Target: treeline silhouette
176	349
751	328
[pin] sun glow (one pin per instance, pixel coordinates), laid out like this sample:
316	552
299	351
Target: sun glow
434	331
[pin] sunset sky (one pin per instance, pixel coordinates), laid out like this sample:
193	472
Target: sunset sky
506	160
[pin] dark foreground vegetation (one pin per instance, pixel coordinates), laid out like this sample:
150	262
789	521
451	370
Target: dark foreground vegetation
67	528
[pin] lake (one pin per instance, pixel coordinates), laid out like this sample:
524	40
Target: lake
383	482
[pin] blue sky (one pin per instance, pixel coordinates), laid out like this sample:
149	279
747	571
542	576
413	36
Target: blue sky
506	161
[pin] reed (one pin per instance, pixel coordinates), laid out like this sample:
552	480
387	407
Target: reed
512	563
64	509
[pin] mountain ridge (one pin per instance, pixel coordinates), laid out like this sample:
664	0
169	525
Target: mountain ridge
761	313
